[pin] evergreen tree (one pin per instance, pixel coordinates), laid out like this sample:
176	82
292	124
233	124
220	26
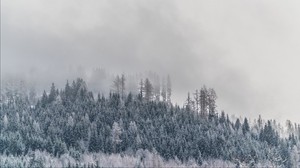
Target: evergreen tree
116	136
259	122
164	90
169	89
246	126
141	90
148	90
188	105
44	100
203	101
156	88
123	86
237	124
212	96
52	94
32	96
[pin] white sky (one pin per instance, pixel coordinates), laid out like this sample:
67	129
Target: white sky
247	50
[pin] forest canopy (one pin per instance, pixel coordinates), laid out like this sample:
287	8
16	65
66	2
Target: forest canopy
76	121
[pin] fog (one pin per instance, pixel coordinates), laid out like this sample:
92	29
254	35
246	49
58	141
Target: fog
248	51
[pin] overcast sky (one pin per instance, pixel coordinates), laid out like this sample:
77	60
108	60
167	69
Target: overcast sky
247	50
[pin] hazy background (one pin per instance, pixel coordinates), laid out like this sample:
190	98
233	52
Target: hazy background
247	50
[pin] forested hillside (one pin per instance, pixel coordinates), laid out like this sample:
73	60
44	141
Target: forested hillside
75	123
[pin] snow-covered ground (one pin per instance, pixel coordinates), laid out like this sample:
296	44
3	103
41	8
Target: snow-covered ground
142	158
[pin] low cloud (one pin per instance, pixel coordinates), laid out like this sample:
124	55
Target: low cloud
246	50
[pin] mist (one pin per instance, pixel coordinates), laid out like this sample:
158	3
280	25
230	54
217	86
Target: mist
246	50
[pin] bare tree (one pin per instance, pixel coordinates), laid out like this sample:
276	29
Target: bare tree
197	100
212	96
189	102
117	85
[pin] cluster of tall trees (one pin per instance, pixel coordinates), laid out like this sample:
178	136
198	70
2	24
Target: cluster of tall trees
148	90
204	102
74	121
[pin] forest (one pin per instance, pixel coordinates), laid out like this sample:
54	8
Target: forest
76	127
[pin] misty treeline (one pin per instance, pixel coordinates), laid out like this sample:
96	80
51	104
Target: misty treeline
98	80
73	122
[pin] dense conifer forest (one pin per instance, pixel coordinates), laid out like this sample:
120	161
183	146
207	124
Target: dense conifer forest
74	127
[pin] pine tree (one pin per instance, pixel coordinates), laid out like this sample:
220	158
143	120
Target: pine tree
148	90
32	96
259	121
203	101
93	143
52	94
44	99
222	118
164	90
116	136
5	122
169	89
212	96
188	104
237	124
123	87
156	89
246	126
141	90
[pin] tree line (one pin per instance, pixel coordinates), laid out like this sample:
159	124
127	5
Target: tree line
73	120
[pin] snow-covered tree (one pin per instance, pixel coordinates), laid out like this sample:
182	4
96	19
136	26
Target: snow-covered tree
148	90
116	135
